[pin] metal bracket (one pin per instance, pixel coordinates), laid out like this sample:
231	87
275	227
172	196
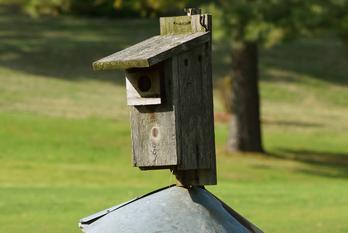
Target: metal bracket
203	22
193	11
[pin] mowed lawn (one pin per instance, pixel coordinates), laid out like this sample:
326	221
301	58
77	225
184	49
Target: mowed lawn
65	147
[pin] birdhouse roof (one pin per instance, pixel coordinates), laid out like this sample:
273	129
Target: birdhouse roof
151	51
174	209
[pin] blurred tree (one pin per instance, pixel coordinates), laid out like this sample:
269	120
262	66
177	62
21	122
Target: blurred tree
249	24
45	7
158	7
339	19
116	8
149	8
82	7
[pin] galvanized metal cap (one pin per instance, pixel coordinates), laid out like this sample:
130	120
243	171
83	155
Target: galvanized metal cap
173	209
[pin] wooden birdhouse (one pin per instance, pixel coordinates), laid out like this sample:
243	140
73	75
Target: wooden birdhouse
169	91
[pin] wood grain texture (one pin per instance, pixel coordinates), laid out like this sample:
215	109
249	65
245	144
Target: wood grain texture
179	133
151	51
197	177
153	128
194	115
182	25
191	113
153	136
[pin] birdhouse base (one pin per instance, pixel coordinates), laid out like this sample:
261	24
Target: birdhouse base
172	209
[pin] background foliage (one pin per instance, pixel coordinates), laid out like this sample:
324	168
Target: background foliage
111	8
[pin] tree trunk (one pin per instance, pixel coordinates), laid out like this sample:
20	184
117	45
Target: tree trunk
245	129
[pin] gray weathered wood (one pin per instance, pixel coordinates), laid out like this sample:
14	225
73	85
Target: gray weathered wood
193	132
153	136
153	128
195	177
178	133
182	25
194	115
151	51
136	94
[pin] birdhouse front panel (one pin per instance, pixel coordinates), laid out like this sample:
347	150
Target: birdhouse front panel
154	125
153	137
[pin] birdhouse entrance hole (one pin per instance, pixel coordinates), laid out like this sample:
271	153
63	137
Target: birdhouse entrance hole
143	86
144	83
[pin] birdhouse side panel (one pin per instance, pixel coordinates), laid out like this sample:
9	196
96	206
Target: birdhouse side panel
194	109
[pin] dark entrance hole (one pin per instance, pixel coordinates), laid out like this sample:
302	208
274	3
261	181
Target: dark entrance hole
144	83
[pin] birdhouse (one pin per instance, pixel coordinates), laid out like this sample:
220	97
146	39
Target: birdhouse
169	92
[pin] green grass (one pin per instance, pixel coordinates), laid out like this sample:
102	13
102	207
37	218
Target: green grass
65	141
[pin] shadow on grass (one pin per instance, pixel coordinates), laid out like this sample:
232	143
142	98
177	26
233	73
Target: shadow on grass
65	47
334	165
292	123
320	58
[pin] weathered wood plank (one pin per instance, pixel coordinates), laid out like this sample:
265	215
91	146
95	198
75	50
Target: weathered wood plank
151	51
182	25
153	128
190	111
153	136
197	177
194	115
209	175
